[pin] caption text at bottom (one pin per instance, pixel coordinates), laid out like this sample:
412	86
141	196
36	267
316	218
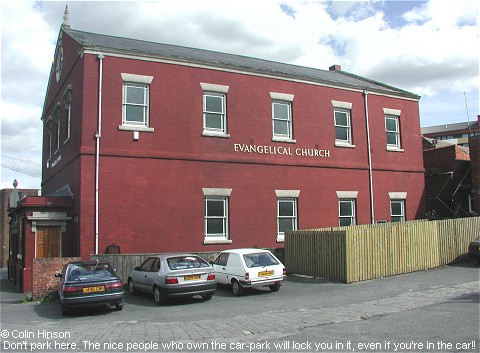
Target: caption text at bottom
290	346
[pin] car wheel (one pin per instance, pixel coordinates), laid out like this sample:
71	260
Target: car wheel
158	296
118	307
274	287
131	287
65	311
207	297
237	288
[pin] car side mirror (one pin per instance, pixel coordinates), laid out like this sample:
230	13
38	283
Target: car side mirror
58	275
137	268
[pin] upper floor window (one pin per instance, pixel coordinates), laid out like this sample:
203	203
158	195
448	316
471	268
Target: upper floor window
67	100
342	127
214	109
342	122
57	125
214	117
282	116
135	104
136	100
392	129
48	130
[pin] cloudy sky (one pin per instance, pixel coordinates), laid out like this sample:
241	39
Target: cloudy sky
430	48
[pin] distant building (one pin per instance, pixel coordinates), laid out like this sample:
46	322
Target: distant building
452	177
455	133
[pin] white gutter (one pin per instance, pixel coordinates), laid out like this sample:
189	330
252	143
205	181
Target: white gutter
97	153
372	212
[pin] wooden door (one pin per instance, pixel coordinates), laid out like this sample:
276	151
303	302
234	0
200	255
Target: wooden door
48	242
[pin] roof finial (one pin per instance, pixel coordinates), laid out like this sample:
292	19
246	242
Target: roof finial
66	18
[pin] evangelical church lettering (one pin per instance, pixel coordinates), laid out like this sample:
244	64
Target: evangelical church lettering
265	149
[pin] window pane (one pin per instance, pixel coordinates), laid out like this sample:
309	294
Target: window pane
215	226
346	208
341	133
134	113
341	118
215	208
135	95
397	219
285	208
391	124
391	138
285	224
213	121
280	111
281	127
397	208
214	104
345	221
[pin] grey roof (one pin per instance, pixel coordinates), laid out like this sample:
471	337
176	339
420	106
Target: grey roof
449	127
100	42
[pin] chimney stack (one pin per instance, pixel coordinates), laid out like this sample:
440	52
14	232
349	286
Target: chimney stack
335	68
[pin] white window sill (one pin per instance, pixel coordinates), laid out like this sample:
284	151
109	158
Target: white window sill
136	128
216	241
215	134
280	240
344	144
395	149
283	139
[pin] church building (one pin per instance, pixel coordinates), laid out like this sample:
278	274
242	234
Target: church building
167	148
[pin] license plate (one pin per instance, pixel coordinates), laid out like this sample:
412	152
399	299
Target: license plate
265	273
191	278
94	289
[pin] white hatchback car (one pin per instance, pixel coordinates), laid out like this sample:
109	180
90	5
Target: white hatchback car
248	268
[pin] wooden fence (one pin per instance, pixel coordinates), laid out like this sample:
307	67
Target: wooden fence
363	252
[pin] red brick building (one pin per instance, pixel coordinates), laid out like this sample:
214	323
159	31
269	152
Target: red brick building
5	219
448	180
474	150
167	148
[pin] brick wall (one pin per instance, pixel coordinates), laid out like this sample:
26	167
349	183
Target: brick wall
43	274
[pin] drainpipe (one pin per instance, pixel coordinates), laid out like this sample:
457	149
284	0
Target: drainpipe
97	153
372	212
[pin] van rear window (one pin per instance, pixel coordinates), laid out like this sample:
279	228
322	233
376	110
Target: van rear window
260	259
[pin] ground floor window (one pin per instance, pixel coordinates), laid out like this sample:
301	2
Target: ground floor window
397	210
286	216
346	212
216	217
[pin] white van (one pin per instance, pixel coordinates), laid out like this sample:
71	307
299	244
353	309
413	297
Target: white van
248	268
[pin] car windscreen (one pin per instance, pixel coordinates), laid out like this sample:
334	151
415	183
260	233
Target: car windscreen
90	272
260	259
186	262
